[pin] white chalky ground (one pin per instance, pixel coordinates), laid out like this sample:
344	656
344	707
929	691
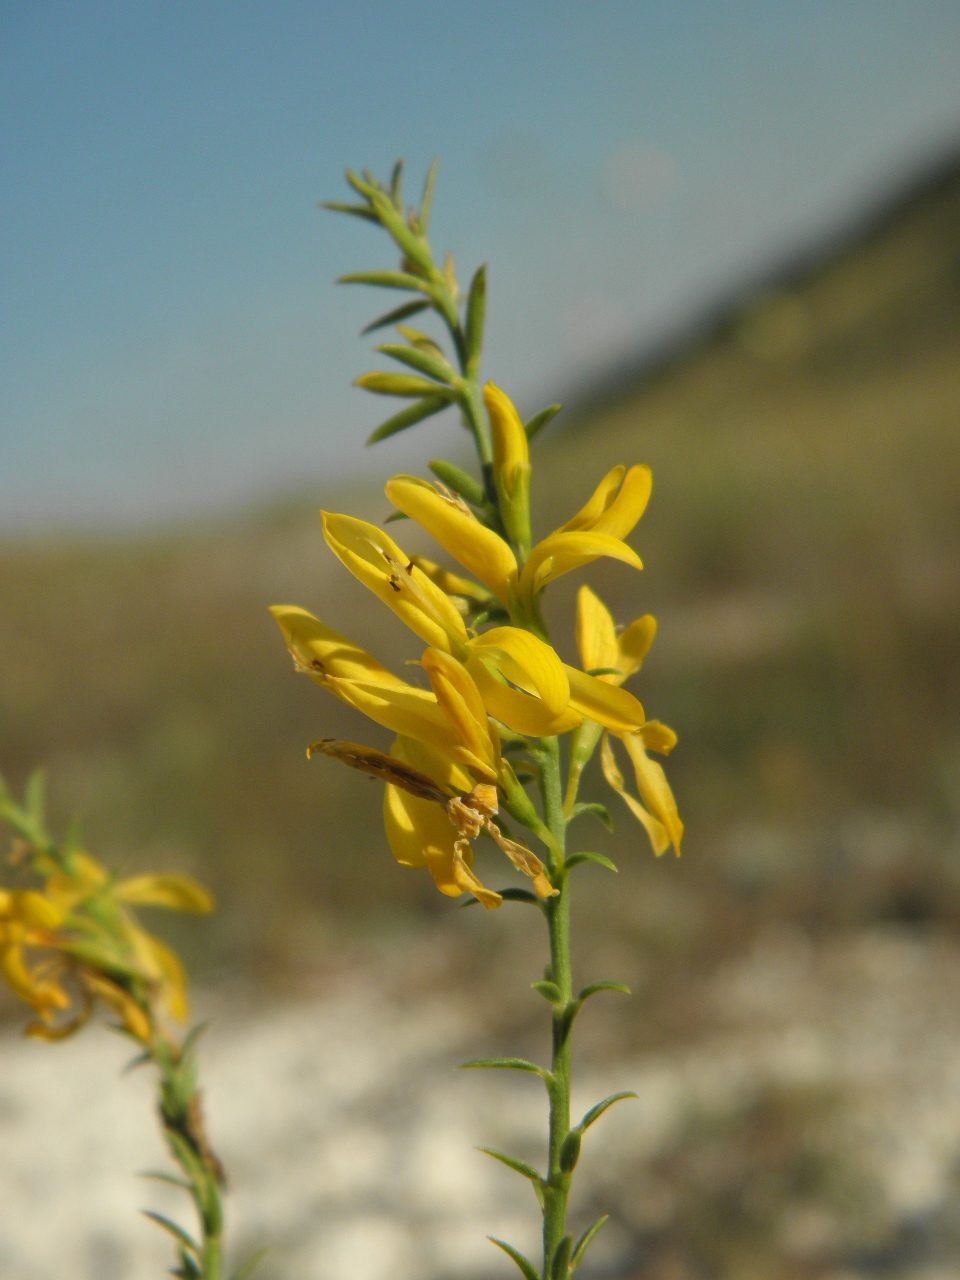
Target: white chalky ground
349	1135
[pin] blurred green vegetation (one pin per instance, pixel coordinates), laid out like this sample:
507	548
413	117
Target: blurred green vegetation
801	554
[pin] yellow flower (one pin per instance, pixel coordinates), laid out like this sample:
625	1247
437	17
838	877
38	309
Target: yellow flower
420	832
598	529
616	658
82	926
350	673
521	679
27	920
430	817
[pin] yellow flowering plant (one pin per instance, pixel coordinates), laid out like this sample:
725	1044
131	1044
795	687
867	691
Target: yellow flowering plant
496	702
70	940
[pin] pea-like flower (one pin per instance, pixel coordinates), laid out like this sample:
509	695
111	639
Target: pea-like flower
521	679
446	748
614	658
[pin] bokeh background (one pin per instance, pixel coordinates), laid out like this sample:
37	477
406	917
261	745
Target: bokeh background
728	238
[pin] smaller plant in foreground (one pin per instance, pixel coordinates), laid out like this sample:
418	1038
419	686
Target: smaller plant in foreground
70	940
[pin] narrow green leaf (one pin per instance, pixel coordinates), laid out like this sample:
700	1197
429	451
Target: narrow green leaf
549	990
398	313
160	1175
400	384
518	895
596	810
576	858
424	361
362	188
247	1268
594	987
176	1231
580	1248
540	420
604	671
34	796
560	1267
596	1112
188	1268
193	1035
420	339
185	1156
395	516
140	1060
385	279
424	408
506	1064
527	1268
476	311
396	177
357	210
423	217
518	1166
459	481
570	1151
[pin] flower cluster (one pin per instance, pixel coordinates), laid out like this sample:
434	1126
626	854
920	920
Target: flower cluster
75	939
492	672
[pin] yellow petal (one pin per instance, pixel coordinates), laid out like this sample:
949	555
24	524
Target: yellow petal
596	634
527	661
178	892
134	1018
460	699
658	737
511	449
445	772
600	499
419	832
42	994
320	651
611	706
451	583
174	980
481	551
654	789
634	643
619	517
36	910
373	557
519	711
560	552
659	836
409	711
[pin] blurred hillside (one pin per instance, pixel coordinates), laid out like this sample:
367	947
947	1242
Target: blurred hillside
801	555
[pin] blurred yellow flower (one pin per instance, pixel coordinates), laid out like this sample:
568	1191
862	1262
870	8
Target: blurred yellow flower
87	938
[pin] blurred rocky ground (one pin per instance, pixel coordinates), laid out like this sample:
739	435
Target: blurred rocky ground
810	1128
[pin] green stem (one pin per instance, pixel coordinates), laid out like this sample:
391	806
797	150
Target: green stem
183	1125
557	910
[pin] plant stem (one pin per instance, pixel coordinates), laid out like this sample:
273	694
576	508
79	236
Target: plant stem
557	910
181	1117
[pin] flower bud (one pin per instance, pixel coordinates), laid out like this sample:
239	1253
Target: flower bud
511	464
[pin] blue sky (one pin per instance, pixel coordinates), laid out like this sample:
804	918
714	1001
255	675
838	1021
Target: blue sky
173	341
